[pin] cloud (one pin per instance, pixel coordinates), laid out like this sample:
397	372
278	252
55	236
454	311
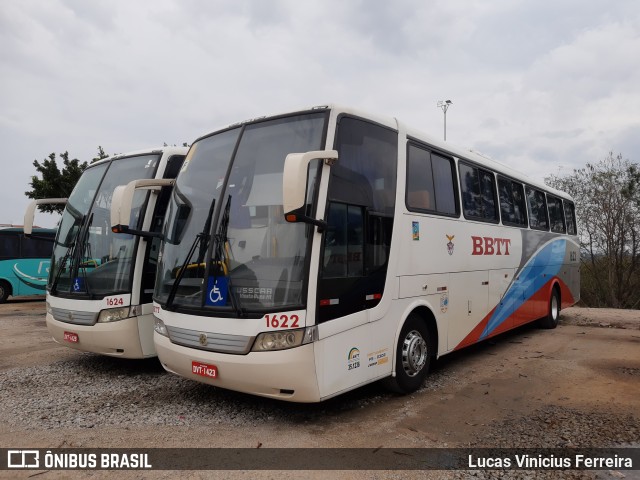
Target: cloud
534	85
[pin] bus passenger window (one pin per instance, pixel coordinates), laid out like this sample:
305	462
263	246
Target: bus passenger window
430	182
537	209
488	186
9	246
478	193
35	247
512	206
556	215
444	186
570	215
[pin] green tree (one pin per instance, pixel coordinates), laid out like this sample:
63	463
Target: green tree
56	182
607	197
100	156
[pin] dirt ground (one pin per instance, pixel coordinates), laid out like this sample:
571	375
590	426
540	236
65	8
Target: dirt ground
590	365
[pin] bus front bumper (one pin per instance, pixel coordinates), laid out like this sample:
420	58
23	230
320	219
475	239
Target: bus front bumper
285	374
117	339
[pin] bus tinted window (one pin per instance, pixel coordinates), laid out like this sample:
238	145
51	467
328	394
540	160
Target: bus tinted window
570	216
556	214
366	172
10	246
478	193
430	184
344	255
512	206
35	247
537	209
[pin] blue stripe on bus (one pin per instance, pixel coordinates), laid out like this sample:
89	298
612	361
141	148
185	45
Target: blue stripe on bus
544	265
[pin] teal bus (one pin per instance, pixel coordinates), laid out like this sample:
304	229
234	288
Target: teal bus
24	261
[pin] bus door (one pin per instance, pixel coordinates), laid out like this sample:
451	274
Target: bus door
174	163
355	251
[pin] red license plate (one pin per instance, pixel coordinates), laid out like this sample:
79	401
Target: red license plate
71	337
204	369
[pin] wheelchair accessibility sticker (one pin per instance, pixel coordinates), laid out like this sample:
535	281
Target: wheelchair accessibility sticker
78	284
217	290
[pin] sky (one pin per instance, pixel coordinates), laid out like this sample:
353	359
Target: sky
544	87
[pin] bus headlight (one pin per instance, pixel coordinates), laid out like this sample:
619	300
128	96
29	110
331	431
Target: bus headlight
113	315
120	313
159	327
284	339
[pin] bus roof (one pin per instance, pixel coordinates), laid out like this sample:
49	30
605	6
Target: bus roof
440	145
20	229
146	151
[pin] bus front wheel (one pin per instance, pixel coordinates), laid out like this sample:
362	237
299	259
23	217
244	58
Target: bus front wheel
5	291
413	356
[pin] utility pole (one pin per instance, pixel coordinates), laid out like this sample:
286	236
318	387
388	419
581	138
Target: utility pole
444	105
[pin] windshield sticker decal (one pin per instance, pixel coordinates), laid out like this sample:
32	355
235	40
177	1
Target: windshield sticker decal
217	289
416	230
78	285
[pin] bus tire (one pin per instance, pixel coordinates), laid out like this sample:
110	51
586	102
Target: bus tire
553	311
413	356
5	291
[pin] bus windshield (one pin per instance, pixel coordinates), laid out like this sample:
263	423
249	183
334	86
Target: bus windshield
227	243
88	259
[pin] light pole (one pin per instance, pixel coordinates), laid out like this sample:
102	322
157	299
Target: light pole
444	105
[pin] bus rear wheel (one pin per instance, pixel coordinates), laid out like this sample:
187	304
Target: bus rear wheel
413	356
553	312
5	291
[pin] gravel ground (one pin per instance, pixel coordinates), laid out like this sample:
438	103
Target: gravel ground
90	391
558	427
497	394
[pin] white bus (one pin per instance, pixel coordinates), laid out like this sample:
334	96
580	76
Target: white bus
100	285
310	253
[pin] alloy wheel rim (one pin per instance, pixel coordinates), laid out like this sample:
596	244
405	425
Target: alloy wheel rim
414	353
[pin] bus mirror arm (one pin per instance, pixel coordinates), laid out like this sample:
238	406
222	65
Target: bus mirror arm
137	233
293	217
122	201
31	211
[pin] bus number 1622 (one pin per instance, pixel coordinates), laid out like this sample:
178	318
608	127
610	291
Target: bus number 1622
282	321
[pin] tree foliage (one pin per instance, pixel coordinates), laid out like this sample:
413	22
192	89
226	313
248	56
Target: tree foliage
55	182
100	156
607	198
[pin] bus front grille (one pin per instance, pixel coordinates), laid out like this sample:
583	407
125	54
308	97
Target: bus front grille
213	342
74	316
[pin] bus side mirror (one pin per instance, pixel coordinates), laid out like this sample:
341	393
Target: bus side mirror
31	211
122	201
294	184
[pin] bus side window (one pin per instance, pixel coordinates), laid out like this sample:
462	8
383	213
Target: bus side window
9	246
570	215
478	193
556	214
35	247
512	206
537	204
419	179
430	182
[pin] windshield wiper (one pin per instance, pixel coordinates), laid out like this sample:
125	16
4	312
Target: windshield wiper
86	246
65	258
201	238
220	260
